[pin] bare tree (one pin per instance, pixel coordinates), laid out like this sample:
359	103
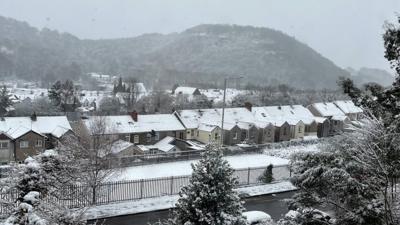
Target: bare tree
94	147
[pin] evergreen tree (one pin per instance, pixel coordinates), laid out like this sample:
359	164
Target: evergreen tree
5	101
267	176
39	182
63	95
209	199
357	175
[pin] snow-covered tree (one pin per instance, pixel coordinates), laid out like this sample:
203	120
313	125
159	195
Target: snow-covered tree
110	105
25	213
352	175
40	182
308	216
209	199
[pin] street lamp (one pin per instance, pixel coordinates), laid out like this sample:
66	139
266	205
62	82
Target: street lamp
223	106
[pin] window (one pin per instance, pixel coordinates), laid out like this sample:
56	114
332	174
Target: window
148	138
128	138
4	144
39	143
136	139
216	136
23	144
235	136
299	129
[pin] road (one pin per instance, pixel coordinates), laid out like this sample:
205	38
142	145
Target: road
271	204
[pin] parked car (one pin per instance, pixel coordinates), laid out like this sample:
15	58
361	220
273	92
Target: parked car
258	218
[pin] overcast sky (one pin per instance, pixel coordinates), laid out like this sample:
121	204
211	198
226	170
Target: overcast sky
349	32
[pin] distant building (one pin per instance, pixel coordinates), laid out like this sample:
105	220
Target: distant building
337	118
352	111
191	91
138	129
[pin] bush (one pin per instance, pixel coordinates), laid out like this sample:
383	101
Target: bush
267	176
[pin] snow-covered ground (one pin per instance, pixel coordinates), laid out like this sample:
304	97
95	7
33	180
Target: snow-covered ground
288	151
183	168
167	202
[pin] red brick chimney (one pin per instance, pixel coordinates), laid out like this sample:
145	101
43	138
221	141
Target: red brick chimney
248	106
134	115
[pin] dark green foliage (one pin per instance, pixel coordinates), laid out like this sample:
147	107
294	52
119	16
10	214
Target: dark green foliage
5	101
267	176
64	96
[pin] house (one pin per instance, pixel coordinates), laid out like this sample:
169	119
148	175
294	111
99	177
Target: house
27	143
189	91
297	129
337	118
234	119
323	127
287	124
207	134
26	136
6	148
282	132
266	132
352	111
135	128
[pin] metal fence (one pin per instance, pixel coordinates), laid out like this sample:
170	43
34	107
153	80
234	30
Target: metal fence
78	196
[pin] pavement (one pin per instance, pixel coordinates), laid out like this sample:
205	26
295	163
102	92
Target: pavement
273	204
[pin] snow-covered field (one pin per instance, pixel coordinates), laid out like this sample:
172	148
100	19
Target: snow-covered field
183	168
288	151
167	202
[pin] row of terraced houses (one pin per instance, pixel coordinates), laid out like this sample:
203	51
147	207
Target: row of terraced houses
191	129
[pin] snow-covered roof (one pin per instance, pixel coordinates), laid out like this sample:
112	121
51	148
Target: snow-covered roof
125	124
278	115
120	146
162	145
185	90
165	144
192	118
207	127
348	106
327	109
17	126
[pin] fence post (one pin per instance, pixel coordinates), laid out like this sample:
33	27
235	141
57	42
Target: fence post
141	188
172	185
248	176
108	193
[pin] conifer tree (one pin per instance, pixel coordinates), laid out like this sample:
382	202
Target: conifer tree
267	176
209	199
5	100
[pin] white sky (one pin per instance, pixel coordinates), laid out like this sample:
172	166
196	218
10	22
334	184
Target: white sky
346	31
